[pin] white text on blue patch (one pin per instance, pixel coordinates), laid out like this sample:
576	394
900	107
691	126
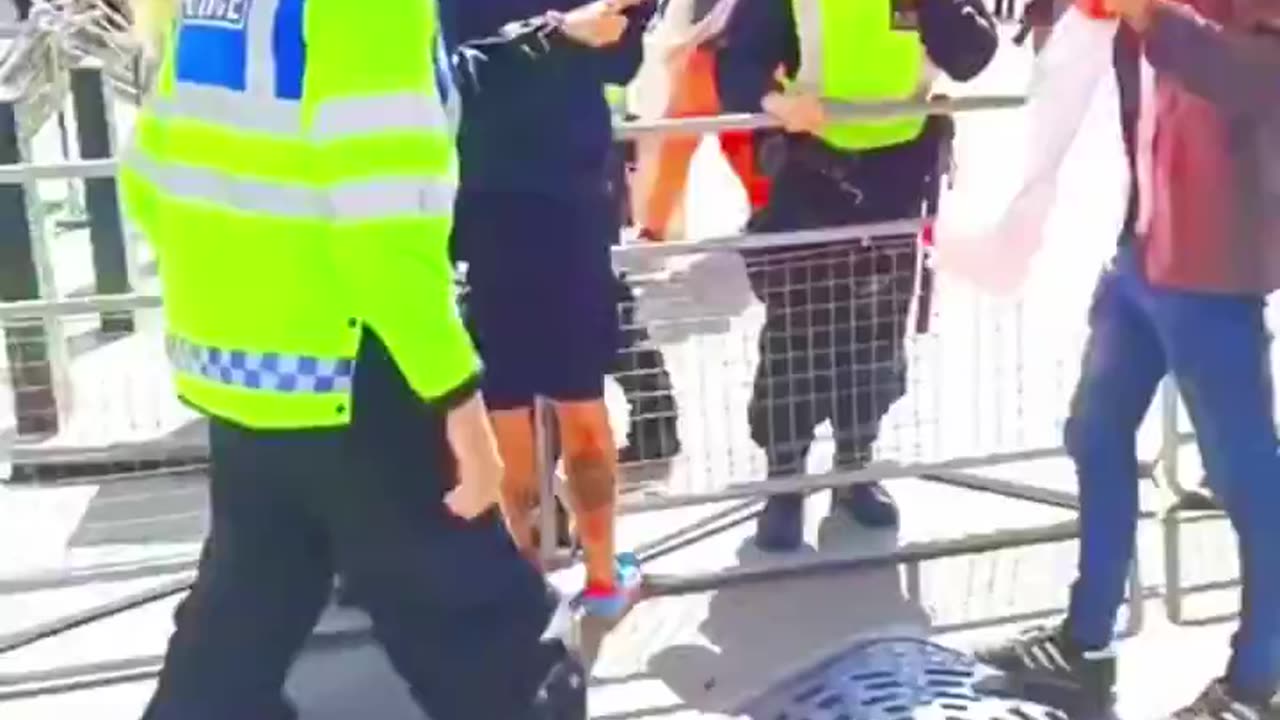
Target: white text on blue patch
228	14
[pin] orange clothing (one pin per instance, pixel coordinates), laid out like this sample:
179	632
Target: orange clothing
663	163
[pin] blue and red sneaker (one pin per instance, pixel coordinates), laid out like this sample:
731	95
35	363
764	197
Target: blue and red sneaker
613	602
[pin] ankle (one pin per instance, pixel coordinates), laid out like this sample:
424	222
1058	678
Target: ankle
598	587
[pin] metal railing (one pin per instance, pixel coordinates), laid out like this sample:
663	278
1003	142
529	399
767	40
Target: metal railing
138	350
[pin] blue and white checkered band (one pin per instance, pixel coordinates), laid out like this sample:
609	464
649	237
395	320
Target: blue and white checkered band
270	372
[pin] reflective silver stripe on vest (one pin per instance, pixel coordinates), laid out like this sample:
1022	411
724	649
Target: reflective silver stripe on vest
268	372
229	108
373	199
358	200
217	188
391	112
811	76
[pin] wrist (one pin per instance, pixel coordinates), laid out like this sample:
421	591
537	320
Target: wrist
1140	15
773	101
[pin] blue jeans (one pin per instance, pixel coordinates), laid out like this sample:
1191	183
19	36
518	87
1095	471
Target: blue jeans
1217	348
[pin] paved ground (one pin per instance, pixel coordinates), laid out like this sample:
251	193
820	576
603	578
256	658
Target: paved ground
990	377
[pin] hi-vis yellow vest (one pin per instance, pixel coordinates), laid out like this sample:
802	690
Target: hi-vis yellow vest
850	52
295	172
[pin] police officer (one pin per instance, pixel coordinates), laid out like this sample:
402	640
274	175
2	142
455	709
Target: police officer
832	344
295	172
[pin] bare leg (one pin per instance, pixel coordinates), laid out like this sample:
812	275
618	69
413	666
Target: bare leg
513	430
591	463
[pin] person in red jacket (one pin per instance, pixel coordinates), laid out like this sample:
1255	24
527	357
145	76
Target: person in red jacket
1185	294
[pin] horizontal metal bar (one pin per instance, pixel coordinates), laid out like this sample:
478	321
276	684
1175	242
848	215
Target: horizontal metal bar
1005	488
45	309
104	673
771	240
659	585
104	168
59	625
832	480
837	112
88	305
16	174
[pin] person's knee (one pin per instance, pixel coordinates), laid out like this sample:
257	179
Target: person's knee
584	428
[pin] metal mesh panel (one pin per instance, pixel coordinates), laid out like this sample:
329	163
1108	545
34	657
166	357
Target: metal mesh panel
83	398
790	361
894	679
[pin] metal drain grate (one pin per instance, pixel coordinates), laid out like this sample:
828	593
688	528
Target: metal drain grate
894	679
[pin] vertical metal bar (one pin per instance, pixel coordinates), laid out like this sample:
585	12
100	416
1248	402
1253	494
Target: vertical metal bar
1137	598
1169	435
1171	523
102	201
1171	527
75	210
27	343
543	439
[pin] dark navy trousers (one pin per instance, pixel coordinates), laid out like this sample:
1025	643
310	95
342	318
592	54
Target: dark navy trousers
460	613
1217	348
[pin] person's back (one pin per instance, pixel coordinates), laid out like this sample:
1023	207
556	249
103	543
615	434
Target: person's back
295	171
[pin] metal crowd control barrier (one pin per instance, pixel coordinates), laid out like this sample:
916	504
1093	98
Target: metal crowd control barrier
919	438
133	429
1191	508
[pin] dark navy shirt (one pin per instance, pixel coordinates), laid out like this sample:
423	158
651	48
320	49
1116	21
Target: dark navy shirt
551	131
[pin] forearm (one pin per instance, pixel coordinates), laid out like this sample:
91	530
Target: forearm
1235	69
470	435
506	57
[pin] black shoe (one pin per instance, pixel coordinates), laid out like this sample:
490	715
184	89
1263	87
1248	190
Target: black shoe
650	441
1048	660
563	695
1218	702
780	527
869	504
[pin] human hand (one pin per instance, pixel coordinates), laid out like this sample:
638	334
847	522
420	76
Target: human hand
597	23
478	465
798	113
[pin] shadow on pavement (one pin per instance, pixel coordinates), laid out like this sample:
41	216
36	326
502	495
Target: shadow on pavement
778	627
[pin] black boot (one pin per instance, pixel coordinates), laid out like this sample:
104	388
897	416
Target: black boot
780	527
869	504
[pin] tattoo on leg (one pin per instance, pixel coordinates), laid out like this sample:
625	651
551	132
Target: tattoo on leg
592	482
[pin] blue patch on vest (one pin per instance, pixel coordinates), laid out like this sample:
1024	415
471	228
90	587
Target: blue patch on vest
290	50
213	45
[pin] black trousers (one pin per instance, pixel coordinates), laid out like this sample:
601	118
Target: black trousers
460	613
832	345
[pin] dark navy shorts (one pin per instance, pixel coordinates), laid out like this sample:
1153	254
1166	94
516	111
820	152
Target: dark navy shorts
539	300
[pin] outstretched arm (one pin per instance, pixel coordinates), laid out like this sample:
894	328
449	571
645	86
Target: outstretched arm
604	31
